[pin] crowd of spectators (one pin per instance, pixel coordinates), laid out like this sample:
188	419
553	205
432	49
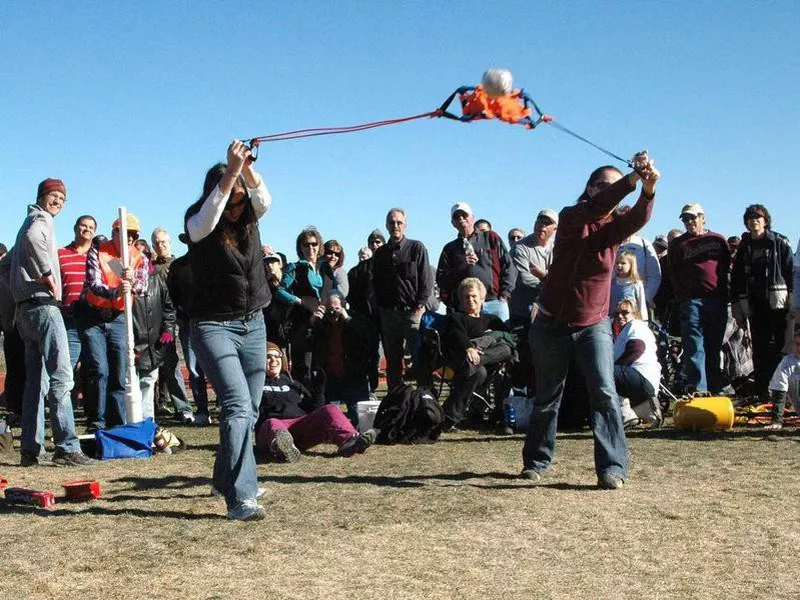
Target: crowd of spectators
62	314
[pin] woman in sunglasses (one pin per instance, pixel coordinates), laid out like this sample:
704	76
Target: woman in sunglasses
229	291
291	419
334	256
637	372
304	283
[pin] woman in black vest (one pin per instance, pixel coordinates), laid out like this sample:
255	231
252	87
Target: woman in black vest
229	291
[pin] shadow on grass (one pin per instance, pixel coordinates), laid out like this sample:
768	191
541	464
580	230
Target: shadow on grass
106	512
168	481
419	481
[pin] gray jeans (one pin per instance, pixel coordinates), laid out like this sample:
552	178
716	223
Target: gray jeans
49	375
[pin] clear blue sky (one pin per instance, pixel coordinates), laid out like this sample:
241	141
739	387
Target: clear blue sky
130	103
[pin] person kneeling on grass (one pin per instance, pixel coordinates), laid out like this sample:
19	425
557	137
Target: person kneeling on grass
786	380
637	372
291	420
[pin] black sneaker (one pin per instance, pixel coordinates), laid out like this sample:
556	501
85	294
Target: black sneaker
72	459
31	460
357	444
609	481
283	447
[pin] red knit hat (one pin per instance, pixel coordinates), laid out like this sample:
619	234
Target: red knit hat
50	185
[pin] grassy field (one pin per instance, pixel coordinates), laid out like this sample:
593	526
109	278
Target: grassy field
703	516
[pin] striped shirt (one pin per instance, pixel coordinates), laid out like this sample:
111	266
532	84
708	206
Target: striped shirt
73	274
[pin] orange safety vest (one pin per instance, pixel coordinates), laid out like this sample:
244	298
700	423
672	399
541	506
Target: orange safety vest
110	263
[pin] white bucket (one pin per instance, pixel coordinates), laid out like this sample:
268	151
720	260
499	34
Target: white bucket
367	410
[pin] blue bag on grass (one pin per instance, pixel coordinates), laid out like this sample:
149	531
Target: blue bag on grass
134	440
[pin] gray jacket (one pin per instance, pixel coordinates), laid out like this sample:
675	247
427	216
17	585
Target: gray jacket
35	254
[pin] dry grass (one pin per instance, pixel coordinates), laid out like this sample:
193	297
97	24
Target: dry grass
702	517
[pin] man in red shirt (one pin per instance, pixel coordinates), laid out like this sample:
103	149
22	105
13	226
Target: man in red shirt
72	260
572	319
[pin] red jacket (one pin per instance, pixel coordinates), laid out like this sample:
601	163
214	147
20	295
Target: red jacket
578	288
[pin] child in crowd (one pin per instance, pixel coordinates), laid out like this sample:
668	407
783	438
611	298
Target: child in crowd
786	380
627	284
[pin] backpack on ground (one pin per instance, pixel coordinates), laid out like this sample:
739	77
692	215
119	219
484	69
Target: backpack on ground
408	415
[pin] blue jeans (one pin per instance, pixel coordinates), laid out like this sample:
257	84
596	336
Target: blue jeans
233	354
106	365
42	329
632	385
498	308
703	323
554	344
74	340
197	379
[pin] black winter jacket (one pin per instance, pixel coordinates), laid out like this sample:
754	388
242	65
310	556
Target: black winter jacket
153	314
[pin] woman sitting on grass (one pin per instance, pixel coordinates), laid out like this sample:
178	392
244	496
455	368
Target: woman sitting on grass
290	419
637	372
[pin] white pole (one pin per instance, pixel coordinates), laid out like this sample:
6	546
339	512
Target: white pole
133	393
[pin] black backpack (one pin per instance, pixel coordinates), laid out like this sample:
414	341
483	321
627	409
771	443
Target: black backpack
408	415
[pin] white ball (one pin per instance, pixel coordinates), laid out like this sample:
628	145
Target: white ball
498	82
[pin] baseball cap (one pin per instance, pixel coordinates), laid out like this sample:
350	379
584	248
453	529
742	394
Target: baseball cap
461	206
692	209
550	214
272	256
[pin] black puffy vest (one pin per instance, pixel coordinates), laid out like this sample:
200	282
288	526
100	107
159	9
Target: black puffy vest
227	282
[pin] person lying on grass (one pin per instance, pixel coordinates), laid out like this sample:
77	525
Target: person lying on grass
291	420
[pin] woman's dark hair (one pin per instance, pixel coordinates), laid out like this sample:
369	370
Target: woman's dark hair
757	210
231	233
143	247
336	247
309	231
599	171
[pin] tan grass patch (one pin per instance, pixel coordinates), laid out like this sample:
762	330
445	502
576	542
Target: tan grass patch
702	517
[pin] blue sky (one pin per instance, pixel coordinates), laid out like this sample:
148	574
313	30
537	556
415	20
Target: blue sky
130	103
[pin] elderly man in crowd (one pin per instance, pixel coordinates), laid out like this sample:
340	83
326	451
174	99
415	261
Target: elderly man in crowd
36	286
480	254
532	256
700	261
169	373
403	284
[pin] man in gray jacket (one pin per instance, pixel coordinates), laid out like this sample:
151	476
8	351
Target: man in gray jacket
36	287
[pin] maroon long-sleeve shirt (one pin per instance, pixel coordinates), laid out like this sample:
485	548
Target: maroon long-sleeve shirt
577	290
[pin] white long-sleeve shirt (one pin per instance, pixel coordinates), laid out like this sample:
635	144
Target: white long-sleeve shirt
203	222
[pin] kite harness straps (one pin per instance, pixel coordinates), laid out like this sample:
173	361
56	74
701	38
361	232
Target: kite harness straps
318	131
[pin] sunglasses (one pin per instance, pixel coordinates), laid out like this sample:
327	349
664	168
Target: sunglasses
274	356
310	244
686	218
333	252
623	313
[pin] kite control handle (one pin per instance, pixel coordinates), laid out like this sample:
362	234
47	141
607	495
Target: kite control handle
254	144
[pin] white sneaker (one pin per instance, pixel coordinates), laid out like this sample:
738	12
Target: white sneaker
248	510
